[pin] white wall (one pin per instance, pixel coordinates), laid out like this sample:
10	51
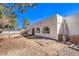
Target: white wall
51	22
59	24
73	24
55	22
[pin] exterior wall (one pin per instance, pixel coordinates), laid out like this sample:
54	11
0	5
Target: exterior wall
74	39
65	26
59	24
73	27
51	23
73	24
54	23
61	29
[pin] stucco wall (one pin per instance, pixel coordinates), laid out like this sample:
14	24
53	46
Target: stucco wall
51	22
73	24
54	23
73	27
59	24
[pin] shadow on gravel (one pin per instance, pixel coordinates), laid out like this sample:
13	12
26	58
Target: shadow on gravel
76	49
35	37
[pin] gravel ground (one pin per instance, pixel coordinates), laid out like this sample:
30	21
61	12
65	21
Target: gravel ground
18	45
60	49
68	52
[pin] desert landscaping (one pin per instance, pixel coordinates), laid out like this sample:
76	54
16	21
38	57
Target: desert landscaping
28	29
19	45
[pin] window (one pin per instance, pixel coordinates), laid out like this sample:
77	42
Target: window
46	30
38	30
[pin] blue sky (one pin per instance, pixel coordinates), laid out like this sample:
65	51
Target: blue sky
44	10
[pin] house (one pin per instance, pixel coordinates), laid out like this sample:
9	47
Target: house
58	28
46	28
72	23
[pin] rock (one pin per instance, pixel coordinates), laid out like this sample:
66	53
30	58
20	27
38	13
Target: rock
68	43
71	46
76	47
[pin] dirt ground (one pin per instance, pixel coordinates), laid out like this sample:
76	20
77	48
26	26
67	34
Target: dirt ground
18	45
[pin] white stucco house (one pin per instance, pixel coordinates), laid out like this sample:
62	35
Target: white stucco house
57	27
